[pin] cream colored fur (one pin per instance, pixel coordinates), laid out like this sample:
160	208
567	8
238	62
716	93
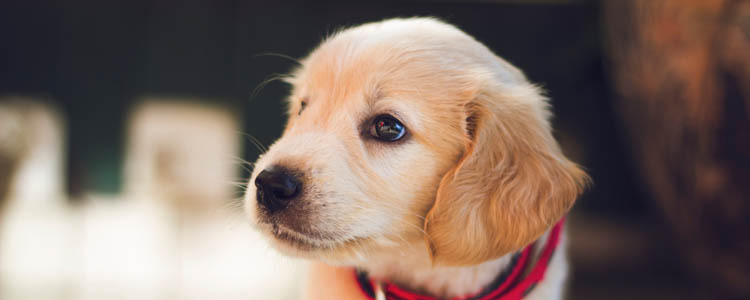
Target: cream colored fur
478	177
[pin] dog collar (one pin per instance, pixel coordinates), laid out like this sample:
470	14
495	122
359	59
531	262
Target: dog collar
510	285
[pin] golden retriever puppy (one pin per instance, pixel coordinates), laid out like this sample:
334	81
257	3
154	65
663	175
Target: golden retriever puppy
420	159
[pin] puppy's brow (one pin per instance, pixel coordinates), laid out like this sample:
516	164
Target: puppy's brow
373	95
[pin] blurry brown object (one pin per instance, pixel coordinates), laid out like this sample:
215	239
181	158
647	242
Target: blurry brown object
682	71
13	142
183	150
31	151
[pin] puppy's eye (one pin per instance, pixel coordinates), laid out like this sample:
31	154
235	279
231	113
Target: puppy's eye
302	106
387	128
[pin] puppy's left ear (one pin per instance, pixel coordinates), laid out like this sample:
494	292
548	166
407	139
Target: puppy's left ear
511	185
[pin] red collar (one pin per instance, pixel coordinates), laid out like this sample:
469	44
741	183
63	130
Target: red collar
508	286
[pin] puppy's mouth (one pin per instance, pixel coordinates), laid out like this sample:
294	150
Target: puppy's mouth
299	240
311	242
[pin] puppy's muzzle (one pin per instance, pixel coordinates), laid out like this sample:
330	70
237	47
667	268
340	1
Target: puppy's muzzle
277	187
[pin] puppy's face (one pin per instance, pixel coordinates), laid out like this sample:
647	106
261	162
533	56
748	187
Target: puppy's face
384	120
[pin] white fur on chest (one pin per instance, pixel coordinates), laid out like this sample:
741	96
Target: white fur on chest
553	285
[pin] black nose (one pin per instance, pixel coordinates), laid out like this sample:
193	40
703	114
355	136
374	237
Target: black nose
276	188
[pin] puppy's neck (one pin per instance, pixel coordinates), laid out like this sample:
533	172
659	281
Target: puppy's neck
412	269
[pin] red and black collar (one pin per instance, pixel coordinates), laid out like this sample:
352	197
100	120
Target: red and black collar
508	286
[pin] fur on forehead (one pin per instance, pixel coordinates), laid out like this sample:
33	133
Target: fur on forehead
410	60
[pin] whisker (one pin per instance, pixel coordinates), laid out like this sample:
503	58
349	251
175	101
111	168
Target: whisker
265	82
232	204
292	59
240	160
239	184
255	142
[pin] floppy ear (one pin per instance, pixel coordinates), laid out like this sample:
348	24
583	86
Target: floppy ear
510	186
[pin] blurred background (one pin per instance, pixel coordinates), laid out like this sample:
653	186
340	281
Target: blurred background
126	128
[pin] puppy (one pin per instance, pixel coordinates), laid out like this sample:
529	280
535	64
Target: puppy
417	157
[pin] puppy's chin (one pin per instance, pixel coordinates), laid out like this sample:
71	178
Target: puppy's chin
290	242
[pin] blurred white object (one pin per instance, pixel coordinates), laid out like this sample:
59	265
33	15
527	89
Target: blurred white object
115	248
142	244
37	239
137	249
32	133
183	150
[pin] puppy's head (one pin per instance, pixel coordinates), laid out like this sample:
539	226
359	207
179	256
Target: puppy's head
406	131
